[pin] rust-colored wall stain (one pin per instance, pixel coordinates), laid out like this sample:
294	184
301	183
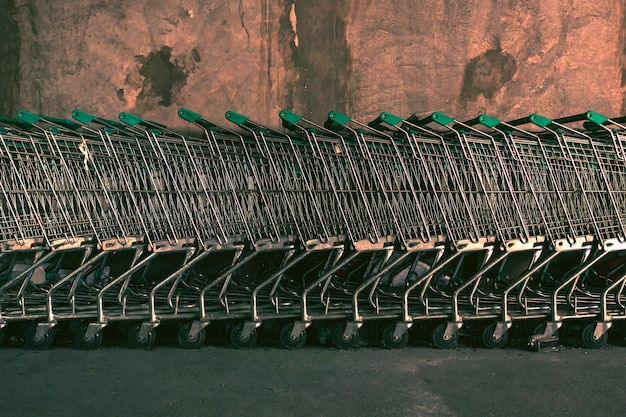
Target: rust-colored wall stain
486	74
507	58
162	79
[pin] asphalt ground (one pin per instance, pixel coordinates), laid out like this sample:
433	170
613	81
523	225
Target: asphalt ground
216	380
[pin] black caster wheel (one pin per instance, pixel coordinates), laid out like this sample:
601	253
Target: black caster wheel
32	342
440	341
589	341
491	342
190	342
87	343
135	340
392	342
342	342
288	341
237	340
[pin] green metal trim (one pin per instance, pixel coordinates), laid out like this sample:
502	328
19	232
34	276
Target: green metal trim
540	120
488	121
390	119
289	117
596	118
441	118
11	121
130	119
31	118
70	124
188	115
28	117
236	118
193	117
86	118
82	117
339	118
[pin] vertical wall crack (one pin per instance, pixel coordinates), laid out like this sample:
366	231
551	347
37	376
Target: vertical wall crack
241	18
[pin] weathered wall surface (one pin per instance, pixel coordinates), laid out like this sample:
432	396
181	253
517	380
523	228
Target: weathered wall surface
506	57
9	58
149	57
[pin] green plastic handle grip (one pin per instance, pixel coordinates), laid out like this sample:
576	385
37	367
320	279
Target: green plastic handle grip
31	119
289	117
82	117
436	117
188	115
339	118
534	118
539	120
236	118
130	119
193	117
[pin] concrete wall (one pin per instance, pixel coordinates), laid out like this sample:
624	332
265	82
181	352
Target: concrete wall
149	57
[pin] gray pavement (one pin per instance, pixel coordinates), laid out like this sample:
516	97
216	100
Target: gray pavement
315	381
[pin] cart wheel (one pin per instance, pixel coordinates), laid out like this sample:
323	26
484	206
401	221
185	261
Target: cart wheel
292	343
491	342
391	342
185	339
82	342
340	341
137	342
439	339
238	341
589	341
32	342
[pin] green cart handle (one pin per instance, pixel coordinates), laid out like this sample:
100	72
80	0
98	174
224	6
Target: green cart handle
589	116
534	118
485	120
236	118
15	122
32	119
336	121
86	118
289	120
196	118
437	117
385	117
132	120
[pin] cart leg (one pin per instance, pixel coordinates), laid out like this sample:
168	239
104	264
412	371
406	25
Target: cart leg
548	338
298	327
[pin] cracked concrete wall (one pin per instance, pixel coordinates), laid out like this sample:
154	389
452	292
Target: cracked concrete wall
149	57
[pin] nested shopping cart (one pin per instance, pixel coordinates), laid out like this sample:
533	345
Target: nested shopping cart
370	225
286	228
342	229
107	191
591	164
45	195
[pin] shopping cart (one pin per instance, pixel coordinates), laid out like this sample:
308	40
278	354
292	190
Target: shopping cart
370	225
